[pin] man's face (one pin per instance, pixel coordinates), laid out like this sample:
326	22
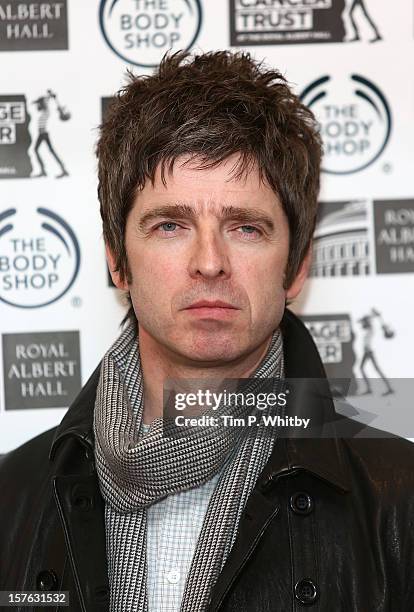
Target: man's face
179	256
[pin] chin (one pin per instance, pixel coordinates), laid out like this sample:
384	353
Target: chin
212	347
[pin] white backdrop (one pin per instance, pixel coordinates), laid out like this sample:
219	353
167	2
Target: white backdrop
58	312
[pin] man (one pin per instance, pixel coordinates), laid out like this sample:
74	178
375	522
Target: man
209	177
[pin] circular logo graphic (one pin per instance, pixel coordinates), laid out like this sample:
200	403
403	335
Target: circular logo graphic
141	31
354	119
39	257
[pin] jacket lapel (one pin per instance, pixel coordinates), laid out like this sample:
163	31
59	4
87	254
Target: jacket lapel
258	513
81	512
79	502
321	457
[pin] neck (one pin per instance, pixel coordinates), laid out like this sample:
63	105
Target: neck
160	363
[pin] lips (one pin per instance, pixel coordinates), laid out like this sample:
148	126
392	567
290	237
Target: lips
212	304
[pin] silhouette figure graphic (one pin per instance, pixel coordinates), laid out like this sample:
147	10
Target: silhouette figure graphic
367	325
352	6
43	106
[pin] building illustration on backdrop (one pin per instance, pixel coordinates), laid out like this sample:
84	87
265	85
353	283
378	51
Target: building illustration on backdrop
341	246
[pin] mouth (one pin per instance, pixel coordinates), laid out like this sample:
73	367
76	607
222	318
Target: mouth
211	304
212	310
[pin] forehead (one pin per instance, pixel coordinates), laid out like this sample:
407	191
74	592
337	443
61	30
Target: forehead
208	187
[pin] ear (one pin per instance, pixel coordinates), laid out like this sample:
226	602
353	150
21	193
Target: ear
114	274
301	276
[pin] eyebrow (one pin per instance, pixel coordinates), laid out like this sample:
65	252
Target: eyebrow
182	211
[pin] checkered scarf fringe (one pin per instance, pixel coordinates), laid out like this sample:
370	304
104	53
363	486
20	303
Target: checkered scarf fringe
135	471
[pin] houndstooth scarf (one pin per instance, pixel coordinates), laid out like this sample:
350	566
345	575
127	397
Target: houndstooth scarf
136	471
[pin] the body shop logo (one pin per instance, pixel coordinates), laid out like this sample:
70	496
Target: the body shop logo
39	257
141	31
354	118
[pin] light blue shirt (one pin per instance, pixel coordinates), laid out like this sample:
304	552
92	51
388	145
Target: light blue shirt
173	526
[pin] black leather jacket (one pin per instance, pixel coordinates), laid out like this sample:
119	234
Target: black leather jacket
328	526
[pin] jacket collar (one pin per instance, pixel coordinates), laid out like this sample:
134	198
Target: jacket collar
78	420
324	457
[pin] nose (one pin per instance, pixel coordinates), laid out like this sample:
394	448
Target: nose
209	256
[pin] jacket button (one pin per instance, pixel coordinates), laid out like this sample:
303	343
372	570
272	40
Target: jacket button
306	592
82	502
102	594
301	503
81	499
46	581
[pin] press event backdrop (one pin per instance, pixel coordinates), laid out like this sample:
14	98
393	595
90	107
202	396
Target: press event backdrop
352	61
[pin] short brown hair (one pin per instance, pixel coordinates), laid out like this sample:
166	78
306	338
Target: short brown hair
209	106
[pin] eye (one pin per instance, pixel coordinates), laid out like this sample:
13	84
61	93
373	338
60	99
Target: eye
167	225
252	231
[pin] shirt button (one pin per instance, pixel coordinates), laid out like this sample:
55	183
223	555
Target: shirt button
173	577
